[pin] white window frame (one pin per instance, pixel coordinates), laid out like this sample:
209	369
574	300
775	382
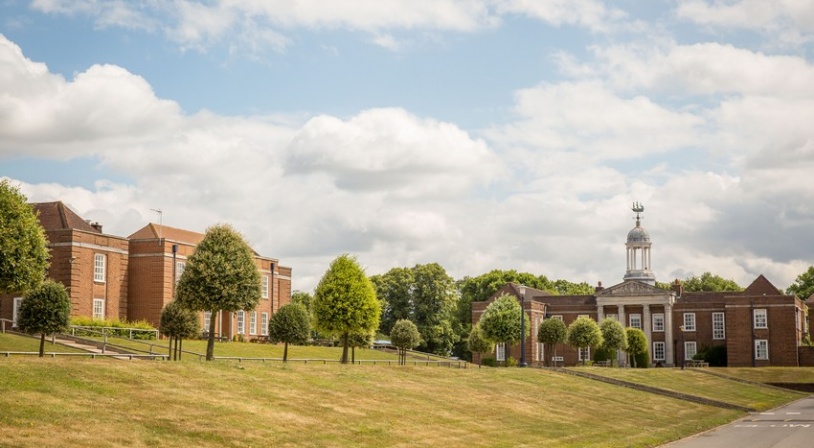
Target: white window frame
99	268
690	349
584	353
718	326
558	317
180	266
15	310
265	289
659	347
253	323
264	324
761	317
98	304
636	321
583	315
762	349
241	322
207	320
500	351
658	322
689	321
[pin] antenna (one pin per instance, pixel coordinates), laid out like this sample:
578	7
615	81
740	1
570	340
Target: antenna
160	221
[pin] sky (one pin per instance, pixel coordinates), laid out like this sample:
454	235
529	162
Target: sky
478	134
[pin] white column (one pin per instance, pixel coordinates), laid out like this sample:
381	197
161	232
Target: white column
620	355
668	334
600	313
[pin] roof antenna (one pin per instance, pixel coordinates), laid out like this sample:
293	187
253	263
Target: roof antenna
160	220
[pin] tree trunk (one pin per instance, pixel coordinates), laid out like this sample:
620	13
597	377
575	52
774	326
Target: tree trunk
210	343
170	351
345	348
42	345
285	352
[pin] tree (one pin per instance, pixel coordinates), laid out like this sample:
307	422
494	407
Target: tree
23	245
305	299
500	322
709	282
584	333
552	332
636	343
394	291
803	286
290	325
405	336
345	302
477	343
220	275
45	310
360	339
614	337
178	323
566	288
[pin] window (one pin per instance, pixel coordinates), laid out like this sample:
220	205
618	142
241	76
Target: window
585	353
500	352
98	309
264	324
658	351
179	270
99	261
557	316
760	319
689	350
15	310
265	294
241	322
207	320
718	331
253	323
689	321
658	322
636	321
761	349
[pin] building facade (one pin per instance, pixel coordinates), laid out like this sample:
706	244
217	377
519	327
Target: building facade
759	326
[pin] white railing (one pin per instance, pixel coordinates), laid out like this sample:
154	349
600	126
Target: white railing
113	331
3	324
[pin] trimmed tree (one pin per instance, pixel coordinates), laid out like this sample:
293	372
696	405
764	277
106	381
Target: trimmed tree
500	322
290	325
45	310
552	332
636	344
584	333
362	339
405	336
220	275
345	302
614	337
23	246
178	323
479	344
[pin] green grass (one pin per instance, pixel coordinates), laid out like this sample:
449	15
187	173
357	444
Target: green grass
694	382
771	374
108	403
15	343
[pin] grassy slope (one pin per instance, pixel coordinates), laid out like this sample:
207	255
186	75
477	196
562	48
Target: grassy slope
14	343
772	374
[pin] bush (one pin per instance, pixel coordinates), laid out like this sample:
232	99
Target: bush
604	354
643	360
488	361
511	362
116	327
714	355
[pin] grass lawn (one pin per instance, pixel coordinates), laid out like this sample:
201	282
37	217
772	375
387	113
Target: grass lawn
694	382
111	403
15	343
771	374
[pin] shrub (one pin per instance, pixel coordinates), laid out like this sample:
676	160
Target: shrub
488	361
714	355
115	327
604	354
511	362
643	360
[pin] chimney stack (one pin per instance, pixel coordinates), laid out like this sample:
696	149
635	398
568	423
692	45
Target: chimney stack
599	287
97	226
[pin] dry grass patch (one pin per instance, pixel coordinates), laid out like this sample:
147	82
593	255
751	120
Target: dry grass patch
771	374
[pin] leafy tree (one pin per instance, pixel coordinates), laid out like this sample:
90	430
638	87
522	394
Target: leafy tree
178	323
552	332
360	339
803	286
45	310
710	282
500	322
566	288
614	337
290	325
305	299
477	343
583	333
345	301
23	245
405	336
394	291
636	344
220	275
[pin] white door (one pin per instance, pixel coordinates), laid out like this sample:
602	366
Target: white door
14	311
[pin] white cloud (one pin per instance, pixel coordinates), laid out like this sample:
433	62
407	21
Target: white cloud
591	14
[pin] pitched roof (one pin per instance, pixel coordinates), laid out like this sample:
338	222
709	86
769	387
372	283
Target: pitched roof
155	231
57	216
762	287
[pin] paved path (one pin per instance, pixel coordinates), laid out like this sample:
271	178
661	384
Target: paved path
790	426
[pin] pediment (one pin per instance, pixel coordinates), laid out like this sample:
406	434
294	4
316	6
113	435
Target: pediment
632	288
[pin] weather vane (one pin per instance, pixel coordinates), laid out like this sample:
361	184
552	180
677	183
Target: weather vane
638	208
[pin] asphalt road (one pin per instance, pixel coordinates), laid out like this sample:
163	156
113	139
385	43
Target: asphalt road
791	426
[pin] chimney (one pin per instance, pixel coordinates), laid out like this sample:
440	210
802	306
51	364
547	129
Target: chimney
97	226
599	287
678	287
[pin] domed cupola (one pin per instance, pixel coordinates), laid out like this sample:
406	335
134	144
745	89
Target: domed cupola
638	251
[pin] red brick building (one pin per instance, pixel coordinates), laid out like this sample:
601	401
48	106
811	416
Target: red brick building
759	326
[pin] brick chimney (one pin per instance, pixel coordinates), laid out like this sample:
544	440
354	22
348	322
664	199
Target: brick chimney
599	287
678	287
97	226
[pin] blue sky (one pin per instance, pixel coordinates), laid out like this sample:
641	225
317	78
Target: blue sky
478	134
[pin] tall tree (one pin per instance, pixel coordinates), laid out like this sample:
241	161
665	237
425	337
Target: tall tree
45	310
345	301
290	325
23	246
394	290
405	336
220	275
636	344
566	288
552	332
803	286
305	299
584	333
178	323
500	322
614	337
709	282
477	343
